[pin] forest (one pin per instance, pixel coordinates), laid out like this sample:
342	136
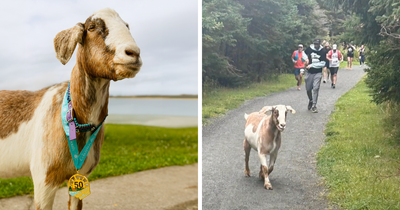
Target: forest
252	41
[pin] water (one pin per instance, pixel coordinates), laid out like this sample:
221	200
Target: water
169	107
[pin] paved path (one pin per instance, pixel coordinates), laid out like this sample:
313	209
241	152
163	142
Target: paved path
294	179
170	188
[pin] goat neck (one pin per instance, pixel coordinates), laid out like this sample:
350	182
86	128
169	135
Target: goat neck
89	96
270	122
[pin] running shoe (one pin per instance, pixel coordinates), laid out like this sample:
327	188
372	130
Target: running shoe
314	109
333	86
309	105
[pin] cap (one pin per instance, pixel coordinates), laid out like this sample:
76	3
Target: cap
317	41
300	45
334	46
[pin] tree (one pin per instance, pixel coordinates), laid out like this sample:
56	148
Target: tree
249	40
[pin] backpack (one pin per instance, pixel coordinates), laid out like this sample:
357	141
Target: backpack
302	57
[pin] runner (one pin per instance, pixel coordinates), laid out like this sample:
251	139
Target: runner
362	55
325	72
334	57
317	59
299	58
350	55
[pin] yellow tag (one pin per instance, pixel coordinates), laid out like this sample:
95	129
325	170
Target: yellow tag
78	186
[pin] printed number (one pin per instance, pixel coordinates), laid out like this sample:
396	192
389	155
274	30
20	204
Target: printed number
78	184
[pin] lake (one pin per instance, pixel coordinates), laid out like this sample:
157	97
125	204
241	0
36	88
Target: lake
166	107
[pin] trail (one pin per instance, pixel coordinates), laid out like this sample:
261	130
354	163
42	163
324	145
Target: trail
294	179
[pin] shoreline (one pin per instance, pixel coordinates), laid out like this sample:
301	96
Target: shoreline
156	97
154	120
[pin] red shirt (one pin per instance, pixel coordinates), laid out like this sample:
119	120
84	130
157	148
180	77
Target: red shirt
299	63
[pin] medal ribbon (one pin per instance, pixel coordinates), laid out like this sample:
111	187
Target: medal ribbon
70	131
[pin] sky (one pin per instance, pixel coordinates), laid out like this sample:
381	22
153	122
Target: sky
165	31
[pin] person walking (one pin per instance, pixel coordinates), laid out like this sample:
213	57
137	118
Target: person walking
350	55
362	55
316	61
334	57
299	59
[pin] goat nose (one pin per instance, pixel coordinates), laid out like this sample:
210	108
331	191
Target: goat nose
132	52
283	125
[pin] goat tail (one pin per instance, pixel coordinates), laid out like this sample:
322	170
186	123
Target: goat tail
246	116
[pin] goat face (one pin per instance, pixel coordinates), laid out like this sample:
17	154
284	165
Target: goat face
279	113
107	49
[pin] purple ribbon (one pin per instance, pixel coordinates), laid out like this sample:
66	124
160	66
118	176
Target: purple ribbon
71	123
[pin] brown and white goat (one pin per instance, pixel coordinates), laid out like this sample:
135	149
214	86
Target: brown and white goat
32	139
263	134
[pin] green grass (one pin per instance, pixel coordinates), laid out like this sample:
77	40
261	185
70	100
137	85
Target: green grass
128	149
221	100
360	160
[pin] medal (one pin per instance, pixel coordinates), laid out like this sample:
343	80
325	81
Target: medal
78	186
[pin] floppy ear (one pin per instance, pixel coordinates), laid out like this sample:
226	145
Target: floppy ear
266	109
291	109
66	41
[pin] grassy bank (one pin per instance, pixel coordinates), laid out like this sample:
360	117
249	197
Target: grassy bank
360	161
221	100
128	149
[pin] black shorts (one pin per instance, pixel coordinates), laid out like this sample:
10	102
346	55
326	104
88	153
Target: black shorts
350	55
327	64
333	70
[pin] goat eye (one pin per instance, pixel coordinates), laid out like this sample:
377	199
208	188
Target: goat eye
91	28
127	26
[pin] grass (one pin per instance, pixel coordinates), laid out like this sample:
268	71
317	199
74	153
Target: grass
128	149
221	100
360	160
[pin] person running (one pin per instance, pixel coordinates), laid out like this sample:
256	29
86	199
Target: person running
325	72
299	59
334	57
350	55
362	55
316	61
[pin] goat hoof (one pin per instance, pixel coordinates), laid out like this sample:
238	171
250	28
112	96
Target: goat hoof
268	186
247	173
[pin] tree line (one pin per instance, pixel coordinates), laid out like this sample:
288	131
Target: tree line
250	40
377	24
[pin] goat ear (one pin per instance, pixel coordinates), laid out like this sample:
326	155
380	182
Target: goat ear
265	109
291	109
65	42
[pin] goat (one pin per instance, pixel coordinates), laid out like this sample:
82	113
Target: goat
32	139
263	134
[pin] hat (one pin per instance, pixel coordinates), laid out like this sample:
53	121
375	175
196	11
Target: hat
317	41
300	45
334	46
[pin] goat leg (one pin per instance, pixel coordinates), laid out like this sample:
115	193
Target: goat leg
264	170
74	203
272	159
247	149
